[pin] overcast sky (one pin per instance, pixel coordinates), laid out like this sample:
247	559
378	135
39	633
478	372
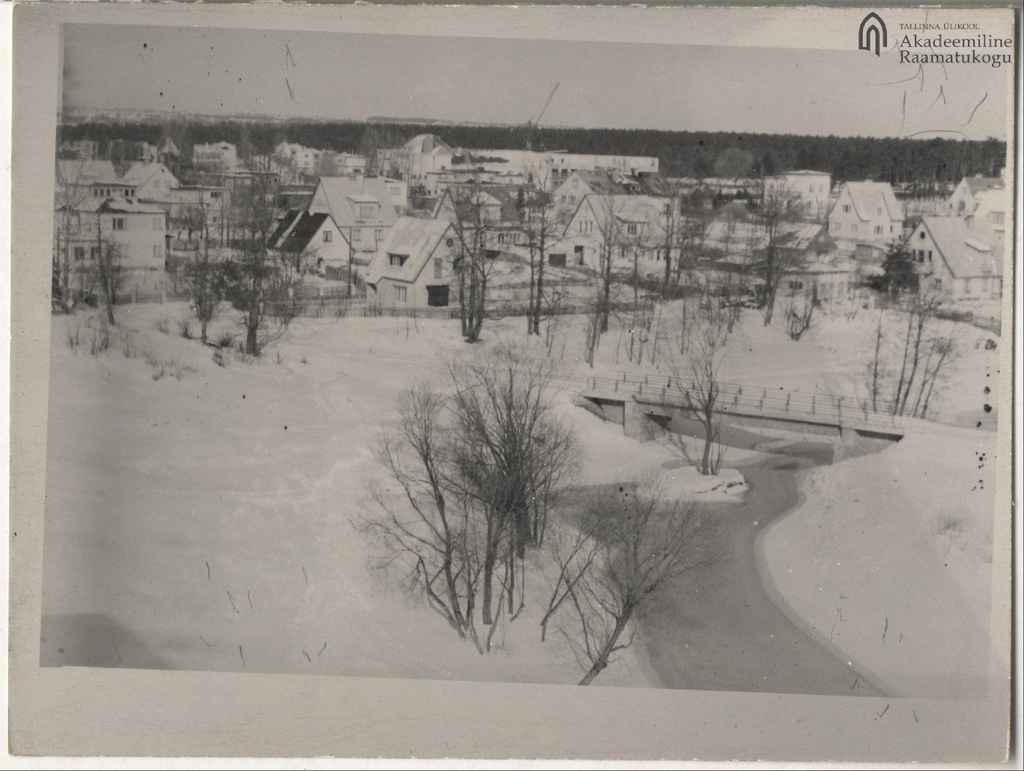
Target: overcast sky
620	85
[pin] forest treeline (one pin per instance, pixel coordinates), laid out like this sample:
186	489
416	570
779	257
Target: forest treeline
681	153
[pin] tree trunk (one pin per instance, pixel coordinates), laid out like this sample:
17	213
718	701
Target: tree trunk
601	662
202	331
251	345
537	300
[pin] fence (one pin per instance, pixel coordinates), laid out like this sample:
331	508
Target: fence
988	323
94	299
738	399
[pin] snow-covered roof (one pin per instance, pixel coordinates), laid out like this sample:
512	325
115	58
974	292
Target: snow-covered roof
341	193
967	245
978	183
141	172
76	172
869	196
427	143
416	240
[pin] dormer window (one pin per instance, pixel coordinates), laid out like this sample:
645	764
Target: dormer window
397	260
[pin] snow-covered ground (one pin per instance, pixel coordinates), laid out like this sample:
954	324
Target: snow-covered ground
200	516
889	558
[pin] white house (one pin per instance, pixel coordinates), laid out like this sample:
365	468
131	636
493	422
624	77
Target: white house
632	226
421	155
959	256
964	199
993	207
304	159
415	266
865	218
361	207
139	229
218	155
153	181
314	234
808	189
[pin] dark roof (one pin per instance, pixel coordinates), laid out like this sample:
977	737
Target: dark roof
303	232
283	225
653	183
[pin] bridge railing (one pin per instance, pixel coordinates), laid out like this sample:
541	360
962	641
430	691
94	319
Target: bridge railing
736	398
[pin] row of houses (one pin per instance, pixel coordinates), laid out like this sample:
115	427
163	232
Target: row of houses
347	220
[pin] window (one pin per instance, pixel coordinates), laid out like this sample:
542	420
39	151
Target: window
366	211
846	208
836	227
929	255
997	217
631	228
853	228
328	236
378	235
891	228
922	235
438	267
158	223
967	286
158	252
118	223
586	226
796	285
357	235
401	294
93	252
397	260
879	209
79	252
878	230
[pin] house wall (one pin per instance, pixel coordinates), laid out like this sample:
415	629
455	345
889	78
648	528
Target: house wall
811	190
847	228
159	186
962	202
142	240
334	252
934	274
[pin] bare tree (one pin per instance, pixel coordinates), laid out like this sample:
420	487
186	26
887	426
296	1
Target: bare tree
923	347
874	368
204	276
429	531
775	211
249	272
191	219
543	227
475	221
697	373
644	542
108	272
70	193
799	313
611	234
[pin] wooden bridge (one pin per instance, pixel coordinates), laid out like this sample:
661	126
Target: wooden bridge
780	407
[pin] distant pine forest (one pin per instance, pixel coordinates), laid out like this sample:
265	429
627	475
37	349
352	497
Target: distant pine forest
934	162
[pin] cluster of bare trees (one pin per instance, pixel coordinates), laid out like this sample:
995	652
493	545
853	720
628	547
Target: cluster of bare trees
477	469
262	283
911	348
